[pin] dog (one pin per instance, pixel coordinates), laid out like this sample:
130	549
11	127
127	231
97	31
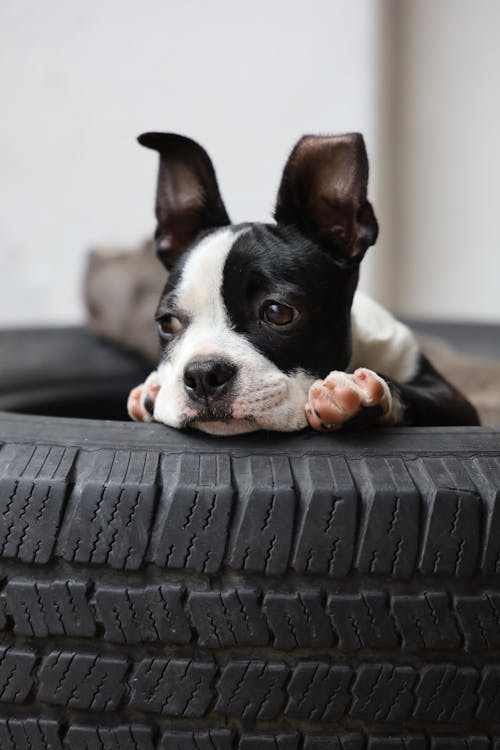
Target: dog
261	326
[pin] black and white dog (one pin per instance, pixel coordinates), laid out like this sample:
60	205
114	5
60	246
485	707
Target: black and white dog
260	324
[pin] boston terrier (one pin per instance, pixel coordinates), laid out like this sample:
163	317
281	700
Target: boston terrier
261	326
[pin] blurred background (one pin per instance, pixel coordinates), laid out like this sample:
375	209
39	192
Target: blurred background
79	80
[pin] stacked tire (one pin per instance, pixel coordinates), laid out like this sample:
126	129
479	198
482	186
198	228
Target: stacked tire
170	590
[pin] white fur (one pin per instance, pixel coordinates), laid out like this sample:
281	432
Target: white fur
381	342
265	396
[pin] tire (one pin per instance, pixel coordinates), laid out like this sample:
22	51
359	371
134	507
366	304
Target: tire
167	590
66	372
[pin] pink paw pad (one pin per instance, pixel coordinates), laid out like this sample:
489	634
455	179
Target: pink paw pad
141	400
340	396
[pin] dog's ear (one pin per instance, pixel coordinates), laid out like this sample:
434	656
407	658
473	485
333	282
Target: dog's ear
323	192
187	195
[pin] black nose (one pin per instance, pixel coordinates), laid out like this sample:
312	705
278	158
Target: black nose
208	379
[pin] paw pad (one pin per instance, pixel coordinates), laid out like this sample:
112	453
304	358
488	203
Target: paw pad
341	396
141	400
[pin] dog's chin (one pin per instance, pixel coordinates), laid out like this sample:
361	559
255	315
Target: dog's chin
225	427
240	426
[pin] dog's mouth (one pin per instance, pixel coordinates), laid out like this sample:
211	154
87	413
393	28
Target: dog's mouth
207	413
246	412
270	405
219	421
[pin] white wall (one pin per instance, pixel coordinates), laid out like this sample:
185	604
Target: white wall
447	159
79	80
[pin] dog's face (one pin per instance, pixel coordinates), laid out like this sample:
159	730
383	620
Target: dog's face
252	314
251	317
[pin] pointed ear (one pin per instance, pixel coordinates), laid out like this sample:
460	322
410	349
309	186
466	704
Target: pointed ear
323	192
187	195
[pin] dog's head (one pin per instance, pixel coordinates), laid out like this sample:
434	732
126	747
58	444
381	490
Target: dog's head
253	313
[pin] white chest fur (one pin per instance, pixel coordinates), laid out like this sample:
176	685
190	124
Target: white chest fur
381	342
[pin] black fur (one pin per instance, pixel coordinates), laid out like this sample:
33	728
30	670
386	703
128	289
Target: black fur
269	262
430	400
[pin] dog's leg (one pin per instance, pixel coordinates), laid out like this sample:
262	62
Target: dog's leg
141	400
366	398
428	399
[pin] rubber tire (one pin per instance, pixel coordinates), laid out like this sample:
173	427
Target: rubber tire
66	372
169	590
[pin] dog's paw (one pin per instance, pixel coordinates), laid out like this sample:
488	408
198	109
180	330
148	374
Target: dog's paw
141	400
362	396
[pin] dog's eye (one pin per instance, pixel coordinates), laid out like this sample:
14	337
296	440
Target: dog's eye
169	325
278	314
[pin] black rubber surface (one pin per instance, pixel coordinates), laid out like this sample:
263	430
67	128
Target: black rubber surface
66	372
170	590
